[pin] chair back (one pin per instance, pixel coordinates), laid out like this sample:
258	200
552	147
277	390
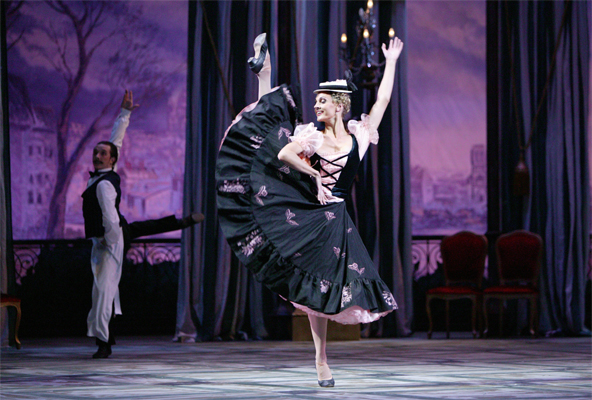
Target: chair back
519	257
463	258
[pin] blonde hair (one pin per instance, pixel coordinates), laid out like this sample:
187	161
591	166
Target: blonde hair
342	98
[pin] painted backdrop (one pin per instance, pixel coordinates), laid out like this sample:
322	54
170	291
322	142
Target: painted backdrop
67	73
447	104
60	107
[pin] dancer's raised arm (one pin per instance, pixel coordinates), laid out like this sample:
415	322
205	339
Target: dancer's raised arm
385	89
122	121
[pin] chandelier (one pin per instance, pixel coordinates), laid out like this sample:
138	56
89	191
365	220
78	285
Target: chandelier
361	60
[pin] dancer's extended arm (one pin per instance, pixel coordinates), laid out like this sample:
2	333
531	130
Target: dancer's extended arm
385	89
122	121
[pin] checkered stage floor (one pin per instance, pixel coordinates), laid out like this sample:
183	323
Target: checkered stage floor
149	368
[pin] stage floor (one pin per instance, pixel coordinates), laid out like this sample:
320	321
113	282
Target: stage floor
412	368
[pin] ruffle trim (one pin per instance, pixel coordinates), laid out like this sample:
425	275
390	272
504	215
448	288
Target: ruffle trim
280	275
247	109
308	137
270	268
351	316
359	128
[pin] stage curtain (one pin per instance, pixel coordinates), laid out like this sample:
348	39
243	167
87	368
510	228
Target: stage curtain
217	296
393	208
7	277
557	205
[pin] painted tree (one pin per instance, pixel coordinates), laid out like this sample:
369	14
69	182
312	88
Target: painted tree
84	17
13	15
92	25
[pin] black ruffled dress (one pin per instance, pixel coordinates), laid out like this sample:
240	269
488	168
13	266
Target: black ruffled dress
308	253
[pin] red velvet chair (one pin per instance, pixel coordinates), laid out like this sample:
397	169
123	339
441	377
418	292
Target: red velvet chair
11	301
463	257
519	261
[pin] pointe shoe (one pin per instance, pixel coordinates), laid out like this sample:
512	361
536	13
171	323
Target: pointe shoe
327	383
324	382
260	44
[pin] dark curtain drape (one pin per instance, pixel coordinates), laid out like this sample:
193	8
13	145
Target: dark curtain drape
217	296
394	182
7	277
557	205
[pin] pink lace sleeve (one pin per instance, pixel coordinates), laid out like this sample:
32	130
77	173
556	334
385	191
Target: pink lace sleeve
362	131
308	138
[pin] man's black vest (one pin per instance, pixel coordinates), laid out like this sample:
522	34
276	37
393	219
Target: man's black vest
91	210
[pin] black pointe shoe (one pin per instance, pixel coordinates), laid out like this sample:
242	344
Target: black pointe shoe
256	64
327	383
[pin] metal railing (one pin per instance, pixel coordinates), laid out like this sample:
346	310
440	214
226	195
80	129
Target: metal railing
425	253
27	253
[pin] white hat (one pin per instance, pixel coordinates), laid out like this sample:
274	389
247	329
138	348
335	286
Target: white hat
338	86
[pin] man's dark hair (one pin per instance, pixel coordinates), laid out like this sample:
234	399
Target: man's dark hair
114	153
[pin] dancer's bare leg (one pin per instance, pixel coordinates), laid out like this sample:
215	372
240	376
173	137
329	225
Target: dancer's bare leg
318	327
264	75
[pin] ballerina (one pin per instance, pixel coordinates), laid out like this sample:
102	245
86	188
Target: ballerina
281	187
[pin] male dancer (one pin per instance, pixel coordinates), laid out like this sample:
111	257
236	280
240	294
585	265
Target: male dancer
110	233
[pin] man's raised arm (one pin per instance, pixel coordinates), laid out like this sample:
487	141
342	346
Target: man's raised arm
122	121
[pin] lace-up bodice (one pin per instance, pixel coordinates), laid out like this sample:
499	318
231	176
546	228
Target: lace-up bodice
338	169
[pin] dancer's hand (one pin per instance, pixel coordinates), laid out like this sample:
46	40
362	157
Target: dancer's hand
394	49
128	101
321	196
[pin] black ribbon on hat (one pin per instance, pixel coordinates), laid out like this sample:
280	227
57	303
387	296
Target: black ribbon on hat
349	77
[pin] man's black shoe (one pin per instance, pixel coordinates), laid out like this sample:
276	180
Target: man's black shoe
104	350
191	220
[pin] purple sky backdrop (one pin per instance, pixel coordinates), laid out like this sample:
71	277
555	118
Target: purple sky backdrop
445	49
47	87
447	100
158	27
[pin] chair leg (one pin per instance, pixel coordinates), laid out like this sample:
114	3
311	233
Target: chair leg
429	311
501	318
16	326
480	316
447	319
485	319
537	319
533	316
474	317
